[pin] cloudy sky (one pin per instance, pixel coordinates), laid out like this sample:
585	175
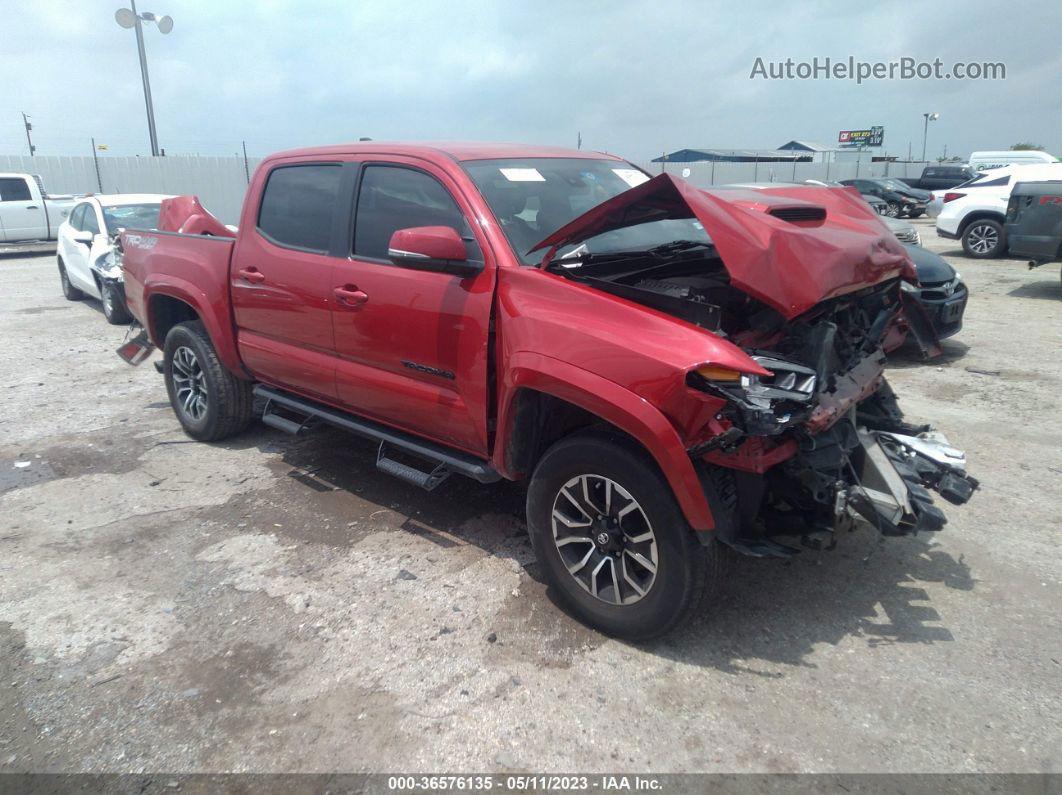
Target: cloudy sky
635	78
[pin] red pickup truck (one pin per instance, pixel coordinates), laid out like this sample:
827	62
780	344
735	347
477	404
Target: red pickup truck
676	371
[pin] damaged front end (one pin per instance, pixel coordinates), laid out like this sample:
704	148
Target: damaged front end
806	438
822	443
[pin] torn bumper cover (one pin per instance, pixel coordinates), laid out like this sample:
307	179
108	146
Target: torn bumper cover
893	474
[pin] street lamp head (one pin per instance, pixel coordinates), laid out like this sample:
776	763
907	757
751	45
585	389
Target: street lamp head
125	17
932	116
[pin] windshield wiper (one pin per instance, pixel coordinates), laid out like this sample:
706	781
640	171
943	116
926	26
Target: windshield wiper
663	251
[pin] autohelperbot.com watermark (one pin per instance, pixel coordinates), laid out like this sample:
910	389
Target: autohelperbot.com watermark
851	68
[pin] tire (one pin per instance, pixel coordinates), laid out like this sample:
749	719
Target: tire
70	292
984	239
114	308
653	599
916	213
892	209
209	401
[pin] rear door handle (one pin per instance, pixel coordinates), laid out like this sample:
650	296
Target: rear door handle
252	275
349	295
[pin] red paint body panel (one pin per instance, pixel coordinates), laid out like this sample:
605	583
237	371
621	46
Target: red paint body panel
615	404
192	269
346	331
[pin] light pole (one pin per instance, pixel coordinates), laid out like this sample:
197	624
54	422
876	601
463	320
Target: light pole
925	130
129	18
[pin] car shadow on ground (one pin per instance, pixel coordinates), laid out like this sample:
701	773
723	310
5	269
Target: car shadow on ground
1050	290
769	610
908	356
13	253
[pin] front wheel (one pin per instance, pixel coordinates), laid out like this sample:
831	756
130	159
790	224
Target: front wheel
114	308
892	209
915	213
612	541
984	239
209	401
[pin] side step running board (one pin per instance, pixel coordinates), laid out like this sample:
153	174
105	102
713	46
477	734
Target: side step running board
444	459
410	474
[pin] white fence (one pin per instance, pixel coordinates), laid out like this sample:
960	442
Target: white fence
704	174
220	182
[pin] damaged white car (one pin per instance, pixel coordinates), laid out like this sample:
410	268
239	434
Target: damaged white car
86	247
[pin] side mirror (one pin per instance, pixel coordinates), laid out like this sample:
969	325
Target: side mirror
84	237
431	248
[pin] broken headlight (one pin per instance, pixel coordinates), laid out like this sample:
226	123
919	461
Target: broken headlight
762	404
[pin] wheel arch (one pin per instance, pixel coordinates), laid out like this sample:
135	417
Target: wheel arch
546	399
173	303
981	215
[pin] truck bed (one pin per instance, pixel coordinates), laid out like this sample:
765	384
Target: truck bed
181	266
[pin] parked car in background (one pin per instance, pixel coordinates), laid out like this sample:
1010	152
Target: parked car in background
975	212
985	161
1034	222
898	198
938	177
940	291
27	212
673	370
905	232
86	247
880	206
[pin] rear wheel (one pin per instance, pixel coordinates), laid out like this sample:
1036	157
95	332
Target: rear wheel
984	239
114	308
209	401
69	291
612	541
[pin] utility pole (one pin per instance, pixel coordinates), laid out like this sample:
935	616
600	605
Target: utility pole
246	169
28	126
129	18
96	162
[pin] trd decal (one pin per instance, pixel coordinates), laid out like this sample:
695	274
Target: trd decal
423	368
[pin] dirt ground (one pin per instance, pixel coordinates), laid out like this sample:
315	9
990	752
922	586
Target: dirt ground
272	604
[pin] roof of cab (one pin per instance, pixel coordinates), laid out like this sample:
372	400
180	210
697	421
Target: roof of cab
468	150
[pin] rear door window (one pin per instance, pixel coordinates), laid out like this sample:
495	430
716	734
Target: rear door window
14	189
297	206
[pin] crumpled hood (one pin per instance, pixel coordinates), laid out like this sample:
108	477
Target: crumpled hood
187	215
789	265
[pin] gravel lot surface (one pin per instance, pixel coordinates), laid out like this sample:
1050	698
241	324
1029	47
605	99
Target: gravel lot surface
272	604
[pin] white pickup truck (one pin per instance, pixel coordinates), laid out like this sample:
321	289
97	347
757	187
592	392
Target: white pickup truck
27	212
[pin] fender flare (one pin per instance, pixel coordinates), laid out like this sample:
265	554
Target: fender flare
617	405
218	328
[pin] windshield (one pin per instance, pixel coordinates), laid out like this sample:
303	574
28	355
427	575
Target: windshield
131	216
895	184
534	197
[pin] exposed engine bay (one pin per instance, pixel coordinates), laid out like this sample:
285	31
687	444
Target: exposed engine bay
820	442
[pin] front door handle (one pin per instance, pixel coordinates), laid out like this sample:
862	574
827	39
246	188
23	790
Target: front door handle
253	275
32	207
349	295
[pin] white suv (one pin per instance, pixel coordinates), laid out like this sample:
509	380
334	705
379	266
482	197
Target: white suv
973	212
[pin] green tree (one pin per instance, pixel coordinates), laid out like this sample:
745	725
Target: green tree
1026	146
